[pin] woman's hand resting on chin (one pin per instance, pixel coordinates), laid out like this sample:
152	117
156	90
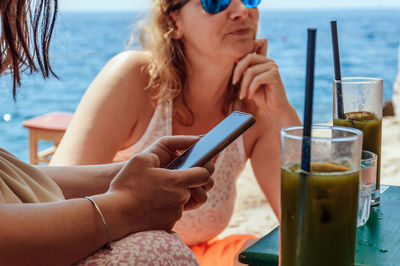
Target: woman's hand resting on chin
261	82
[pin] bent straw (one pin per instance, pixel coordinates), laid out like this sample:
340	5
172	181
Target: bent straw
306	143
336	63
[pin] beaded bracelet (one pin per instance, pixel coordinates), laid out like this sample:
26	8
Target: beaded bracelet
108	245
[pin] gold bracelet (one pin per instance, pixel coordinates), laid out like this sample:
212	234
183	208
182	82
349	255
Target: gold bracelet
107	245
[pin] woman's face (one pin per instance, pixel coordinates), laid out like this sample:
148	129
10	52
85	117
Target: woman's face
228	35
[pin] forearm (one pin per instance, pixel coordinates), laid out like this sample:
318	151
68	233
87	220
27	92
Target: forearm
80	181
268	179
54	233
265	161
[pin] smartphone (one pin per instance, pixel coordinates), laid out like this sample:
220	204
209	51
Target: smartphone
214	141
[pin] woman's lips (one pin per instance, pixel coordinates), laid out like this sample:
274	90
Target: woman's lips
243	31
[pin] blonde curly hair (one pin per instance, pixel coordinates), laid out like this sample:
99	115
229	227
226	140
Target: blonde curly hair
167	69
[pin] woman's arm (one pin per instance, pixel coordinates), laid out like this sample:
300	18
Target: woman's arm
81	181
110	113
265	155
261	82
143	196
59	233
265	161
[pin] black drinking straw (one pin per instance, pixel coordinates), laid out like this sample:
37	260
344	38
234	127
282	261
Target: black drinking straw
306	143
336	63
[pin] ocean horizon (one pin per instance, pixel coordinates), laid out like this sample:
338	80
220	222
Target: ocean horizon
85	41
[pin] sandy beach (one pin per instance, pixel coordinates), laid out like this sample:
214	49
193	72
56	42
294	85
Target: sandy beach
253	214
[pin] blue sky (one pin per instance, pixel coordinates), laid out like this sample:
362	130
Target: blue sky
116	5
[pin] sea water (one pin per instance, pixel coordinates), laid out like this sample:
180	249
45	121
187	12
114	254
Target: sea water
84	42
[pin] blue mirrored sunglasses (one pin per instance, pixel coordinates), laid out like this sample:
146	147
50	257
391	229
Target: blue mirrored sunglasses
216	6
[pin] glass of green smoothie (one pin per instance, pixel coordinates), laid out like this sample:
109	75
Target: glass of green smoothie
360	106
319	208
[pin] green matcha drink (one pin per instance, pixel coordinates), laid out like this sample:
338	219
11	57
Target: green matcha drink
358	103
330	211
371	127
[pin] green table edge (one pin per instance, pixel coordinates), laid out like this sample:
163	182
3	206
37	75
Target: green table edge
385	216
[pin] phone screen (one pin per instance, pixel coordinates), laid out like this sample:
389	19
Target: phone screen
214	141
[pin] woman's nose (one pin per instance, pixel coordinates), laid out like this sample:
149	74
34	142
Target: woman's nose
238	10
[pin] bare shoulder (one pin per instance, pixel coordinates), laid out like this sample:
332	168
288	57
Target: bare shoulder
125	76
129	61
129	66
119	90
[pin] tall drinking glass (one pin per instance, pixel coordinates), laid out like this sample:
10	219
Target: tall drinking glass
319	208
361	108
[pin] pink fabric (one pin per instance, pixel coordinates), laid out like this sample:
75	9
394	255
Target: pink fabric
144	248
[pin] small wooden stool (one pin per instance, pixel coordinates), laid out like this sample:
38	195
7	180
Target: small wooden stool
48	127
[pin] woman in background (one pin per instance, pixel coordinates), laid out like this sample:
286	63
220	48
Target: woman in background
39	227
202	61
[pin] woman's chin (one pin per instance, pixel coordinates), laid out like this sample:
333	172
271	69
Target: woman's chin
235	54
239	54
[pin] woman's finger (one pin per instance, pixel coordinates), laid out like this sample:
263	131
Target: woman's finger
260	50
198	197
244	63
209	185
210	167
167	148
268	78
248	76
261	46
259	83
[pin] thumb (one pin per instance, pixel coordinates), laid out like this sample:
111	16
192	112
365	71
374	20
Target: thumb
166	148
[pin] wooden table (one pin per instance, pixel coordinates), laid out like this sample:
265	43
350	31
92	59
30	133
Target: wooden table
47	127
378	241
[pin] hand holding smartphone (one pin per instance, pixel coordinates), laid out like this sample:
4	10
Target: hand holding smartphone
214	141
